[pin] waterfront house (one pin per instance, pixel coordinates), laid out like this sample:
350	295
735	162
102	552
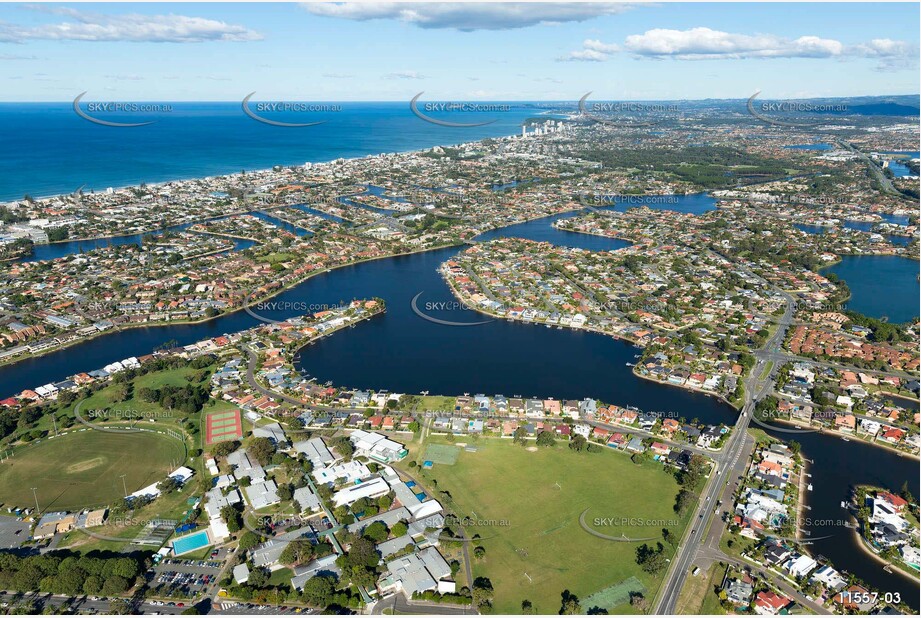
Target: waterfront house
775	553
587	408
828	577
670	426
800	565
892	435
534	408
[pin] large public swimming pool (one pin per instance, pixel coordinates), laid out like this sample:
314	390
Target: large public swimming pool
191	542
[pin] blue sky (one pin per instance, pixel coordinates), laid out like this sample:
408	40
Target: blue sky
391	51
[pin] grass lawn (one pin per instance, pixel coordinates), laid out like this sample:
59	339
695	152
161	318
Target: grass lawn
710	603
84	468
532	501
280	577
696	589
435	403
279	256
170	377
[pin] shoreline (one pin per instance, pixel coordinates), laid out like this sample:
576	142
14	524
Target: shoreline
203	320
800	499
4	363
141	232
896	568
849	436
615	336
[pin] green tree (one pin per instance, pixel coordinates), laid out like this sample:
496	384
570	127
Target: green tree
318	591
546	438
262	450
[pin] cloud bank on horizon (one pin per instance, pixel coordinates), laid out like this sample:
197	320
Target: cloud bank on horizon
87	26
708	44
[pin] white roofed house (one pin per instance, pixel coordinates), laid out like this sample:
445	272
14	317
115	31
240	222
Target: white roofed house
800	565
377	446
828	577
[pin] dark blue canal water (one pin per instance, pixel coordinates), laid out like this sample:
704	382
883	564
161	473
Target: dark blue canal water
863	226
882	286
497	357
56	250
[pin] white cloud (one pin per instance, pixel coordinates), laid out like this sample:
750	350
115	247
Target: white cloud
592	50
468	16
132	27
598	46
405	75
708	44
705	43
585	55
892	55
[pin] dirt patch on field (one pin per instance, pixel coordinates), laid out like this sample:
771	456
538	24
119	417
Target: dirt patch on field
83	466
531	449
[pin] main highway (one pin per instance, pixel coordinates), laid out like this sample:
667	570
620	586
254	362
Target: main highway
730	466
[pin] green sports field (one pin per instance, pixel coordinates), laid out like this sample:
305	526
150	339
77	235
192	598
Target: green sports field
84	468
540	495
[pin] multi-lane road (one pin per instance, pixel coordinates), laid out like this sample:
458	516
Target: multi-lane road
730	466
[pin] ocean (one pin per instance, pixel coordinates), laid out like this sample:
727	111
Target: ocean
48	149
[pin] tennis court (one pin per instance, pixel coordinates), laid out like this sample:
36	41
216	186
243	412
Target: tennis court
222	426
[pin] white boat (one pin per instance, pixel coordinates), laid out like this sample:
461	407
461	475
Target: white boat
809	486
845	439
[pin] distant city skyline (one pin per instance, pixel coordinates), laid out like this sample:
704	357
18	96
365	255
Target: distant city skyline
456	51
